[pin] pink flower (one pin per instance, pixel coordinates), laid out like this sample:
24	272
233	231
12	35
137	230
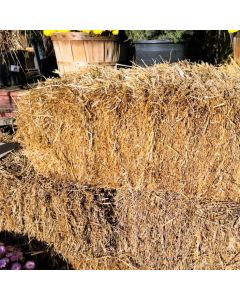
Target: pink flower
30	265
16	256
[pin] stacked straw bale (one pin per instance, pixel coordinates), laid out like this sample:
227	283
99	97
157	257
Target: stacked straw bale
162	230
124	229
171	127
76	221
103	151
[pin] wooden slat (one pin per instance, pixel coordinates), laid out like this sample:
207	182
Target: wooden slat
58	55
108	51
99	52
79	54
88	50
66	53
236	49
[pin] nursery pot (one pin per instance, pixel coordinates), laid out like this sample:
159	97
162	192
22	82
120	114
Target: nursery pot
149	52
13	68
76	49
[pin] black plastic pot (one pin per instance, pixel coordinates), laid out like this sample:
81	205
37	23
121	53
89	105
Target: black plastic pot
149	52
47	62
126	54
11	77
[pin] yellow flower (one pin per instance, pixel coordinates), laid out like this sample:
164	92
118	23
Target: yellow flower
51	32
98	31
232	31
115	32
48	32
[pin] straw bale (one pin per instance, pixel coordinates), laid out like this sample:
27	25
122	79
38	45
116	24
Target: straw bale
162	230
124	229
5	137
171	127
76	221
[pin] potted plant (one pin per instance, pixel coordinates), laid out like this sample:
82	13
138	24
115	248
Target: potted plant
78	48
157	46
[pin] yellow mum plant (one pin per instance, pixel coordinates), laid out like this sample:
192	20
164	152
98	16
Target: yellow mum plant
232	31
51	32
90	32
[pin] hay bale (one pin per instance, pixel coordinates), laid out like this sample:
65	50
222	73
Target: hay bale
5	137
162	230
76	221
171	127
127	229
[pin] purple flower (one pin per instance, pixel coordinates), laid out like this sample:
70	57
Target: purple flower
16	256
2	250
9	254
3	263
16	266
30	265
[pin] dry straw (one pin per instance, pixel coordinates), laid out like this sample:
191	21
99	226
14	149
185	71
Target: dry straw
12	40
124	229
76	221
145	132
162	230
171	126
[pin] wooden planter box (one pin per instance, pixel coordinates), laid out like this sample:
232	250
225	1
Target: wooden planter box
236	48
76	49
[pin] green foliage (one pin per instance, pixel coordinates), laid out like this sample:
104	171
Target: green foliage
172	35
212	46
